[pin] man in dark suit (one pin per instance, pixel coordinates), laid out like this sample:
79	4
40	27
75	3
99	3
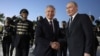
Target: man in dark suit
24	33
46	41
80	37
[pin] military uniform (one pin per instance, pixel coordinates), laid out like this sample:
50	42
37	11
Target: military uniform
24	33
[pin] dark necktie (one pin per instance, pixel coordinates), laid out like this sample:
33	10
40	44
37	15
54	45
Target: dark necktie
70	21
51	25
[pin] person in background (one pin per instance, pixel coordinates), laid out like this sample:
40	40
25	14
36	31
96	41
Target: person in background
95	31
24	33
39	18
13	20
63	46
7	35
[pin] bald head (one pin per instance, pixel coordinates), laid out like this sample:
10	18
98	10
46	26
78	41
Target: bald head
71	8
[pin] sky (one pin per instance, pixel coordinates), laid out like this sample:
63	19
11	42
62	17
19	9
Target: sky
37	8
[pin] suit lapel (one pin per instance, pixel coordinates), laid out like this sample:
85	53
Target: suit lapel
74	21
47	25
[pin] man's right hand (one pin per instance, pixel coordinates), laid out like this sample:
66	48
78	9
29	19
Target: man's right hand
87	54
55	45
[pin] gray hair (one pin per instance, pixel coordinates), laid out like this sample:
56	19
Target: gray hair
50	6
74	3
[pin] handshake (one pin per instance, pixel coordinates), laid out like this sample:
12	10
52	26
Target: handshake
55	45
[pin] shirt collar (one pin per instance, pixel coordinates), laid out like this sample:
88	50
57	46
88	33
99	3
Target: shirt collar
49	20
74	16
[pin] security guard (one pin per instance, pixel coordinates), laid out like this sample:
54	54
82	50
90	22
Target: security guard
7	35
24	33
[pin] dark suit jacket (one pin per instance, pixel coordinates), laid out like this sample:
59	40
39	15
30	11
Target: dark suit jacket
44	36
80	38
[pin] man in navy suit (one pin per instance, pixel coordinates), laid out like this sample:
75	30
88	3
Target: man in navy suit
80	37
47	34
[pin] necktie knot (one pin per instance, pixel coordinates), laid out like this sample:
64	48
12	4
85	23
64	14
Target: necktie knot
71	18
50	22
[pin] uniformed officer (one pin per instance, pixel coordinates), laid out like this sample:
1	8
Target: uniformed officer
24	33
7	35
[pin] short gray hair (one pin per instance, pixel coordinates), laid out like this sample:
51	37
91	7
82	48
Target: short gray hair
74	3
50	6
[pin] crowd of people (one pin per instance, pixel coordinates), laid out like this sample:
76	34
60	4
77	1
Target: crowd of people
77	36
